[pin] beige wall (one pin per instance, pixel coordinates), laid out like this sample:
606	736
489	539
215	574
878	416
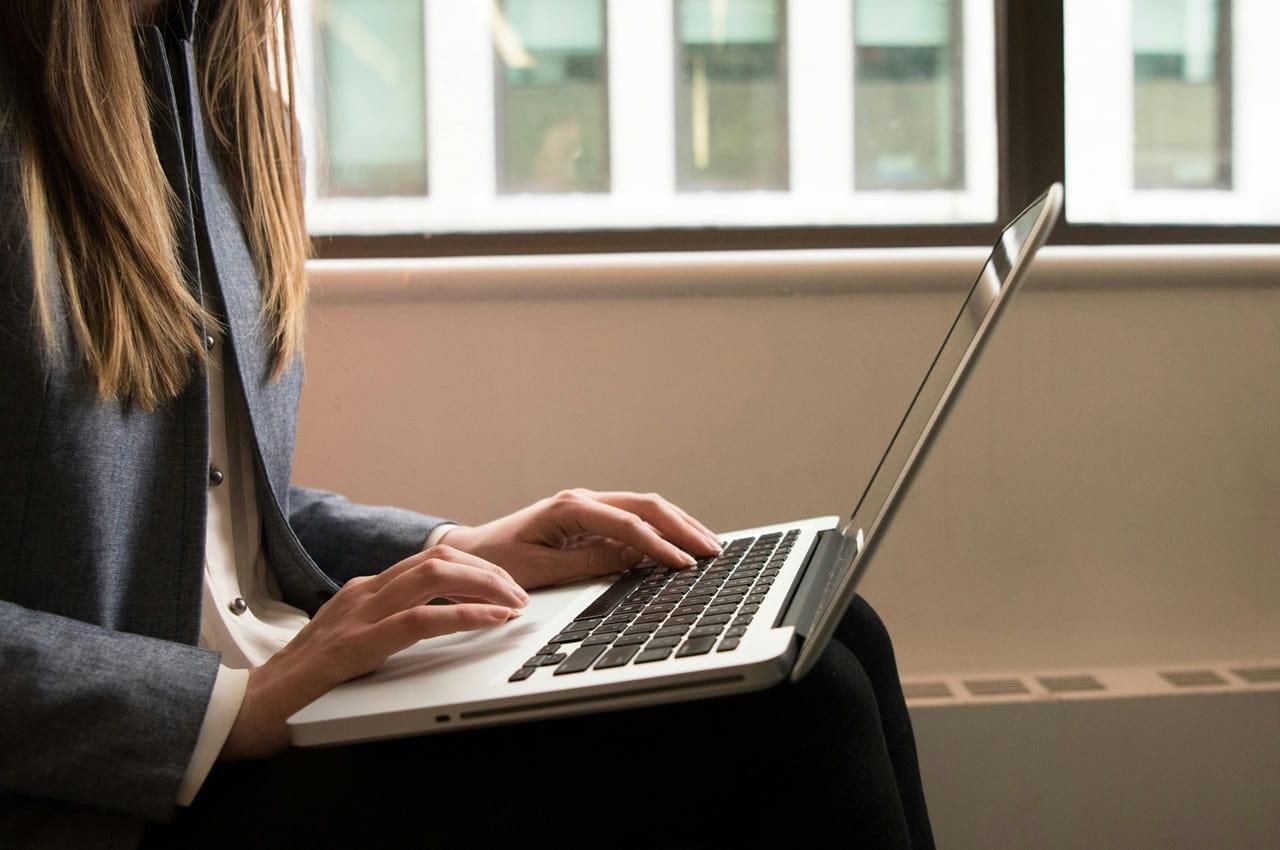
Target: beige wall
1106	492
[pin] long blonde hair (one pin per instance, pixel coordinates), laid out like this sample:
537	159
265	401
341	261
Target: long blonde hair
98	203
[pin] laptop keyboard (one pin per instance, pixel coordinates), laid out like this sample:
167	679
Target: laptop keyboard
653	613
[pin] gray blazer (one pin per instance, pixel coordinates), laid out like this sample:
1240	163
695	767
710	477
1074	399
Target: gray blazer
102	518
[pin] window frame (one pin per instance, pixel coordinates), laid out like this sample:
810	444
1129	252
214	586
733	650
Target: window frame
1030	155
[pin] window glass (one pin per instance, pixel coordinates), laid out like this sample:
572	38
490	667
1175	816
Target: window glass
372	98
1181	95
552	100
732	128
908	131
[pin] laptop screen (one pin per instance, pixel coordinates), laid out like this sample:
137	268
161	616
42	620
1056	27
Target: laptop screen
1019	239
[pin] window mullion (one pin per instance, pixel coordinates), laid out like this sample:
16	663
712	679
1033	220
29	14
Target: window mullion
820	83
460	101
641	98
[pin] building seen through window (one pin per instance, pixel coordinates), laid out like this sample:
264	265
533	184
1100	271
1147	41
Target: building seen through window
908	113
552	103
1181	94
372	98
732	109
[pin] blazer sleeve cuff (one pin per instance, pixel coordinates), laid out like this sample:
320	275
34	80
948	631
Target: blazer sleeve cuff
436	533
224	705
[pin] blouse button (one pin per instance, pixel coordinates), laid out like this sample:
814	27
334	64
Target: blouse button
208	342
238	606
215	476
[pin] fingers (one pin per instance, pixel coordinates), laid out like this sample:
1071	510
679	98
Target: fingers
444	553
590	516
435	577
598	559
420	622
673	523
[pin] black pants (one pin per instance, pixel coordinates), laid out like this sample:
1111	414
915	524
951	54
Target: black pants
830	757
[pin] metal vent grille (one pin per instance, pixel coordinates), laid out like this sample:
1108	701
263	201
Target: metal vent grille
1258	675
995	687
926	690
1193	678
1070	684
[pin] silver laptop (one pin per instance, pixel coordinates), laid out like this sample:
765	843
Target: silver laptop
760	612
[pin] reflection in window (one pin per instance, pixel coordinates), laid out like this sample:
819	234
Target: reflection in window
552	98
1181	94
908	118
372	99
731	95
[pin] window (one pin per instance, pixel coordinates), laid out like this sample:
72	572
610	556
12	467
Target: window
1171	111
372	104
908	99
733	99
465	116
553	119
642	124
1181	94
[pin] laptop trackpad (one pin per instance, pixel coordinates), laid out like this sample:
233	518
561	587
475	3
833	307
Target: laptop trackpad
497	646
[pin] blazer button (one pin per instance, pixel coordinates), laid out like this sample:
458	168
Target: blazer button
208	342
215	476
238	606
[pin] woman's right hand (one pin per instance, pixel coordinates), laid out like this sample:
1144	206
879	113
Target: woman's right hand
368	619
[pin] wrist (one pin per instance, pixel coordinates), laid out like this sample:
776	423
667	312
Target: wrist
439	533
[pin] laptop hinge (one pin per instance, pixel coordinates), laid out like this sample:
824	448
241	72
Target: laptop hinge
801	610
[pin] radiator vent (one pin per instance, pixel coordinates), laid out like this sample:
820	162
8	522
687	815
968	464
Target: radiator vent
1070	684
926	690
1193	678
1258	675
995	687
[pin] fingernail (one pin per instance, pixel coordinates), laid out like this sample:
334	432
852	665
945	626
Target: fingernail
689	560
515	612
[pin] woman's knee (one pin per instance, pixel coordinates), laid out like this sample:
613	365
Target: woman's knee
862	630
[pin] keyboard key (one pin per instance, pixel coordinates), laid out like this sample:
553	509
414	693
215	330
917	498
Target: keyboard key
582	658
615	593
664	642
598	640
668	631
628	640
742	620
694	646
727	644
735	631
617	657
682	619
642	629
653	655
714	620
550	660
569	637
651	618
522	674
583	624
750	609
706	631
549	649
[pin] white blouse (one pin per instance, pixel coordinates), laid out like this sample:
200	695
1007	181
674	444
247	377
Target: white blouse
243	615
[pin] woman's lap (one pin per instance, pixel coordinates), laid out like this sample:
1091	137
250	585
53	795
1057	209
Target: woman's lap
793	759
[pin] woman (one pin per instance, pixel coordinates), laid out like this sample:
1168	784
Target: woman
168	598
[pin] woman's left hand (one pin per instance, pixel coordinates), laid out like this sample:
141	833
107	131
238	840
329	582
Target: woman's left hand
578	533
